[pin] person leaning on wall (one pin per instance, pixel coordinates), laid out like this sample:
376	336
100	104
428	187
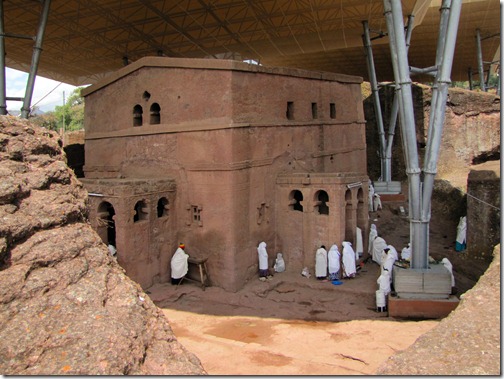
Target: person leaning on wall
179	264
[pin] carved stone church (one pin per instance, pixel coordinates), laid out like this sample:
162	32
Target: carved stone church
221	155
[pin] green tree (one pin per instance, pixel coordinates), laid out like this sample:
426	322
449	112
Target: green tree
69	116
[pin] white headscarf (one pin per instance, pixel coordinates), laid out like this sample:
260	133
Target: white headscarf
334	257
263	256
378	245
449	267
348	260
384	282
279	263
390	259
321	262
179	265
406	252
373	233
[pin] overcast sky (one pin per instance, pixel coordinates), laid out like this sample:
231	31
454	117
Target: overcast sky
16	87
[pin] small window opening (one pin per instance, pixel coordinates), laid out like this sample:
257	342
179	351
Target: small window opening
155	117
321	203
290	110
146	96
137	115
261	213
141	211
332	108
314	110
163	207
296	197
196	214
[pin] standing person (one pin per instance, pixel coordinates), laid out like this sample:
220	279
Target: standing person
388	262
371	193
378	245
373	233
334	257
349	269
460	244
321	263
263	262
179	265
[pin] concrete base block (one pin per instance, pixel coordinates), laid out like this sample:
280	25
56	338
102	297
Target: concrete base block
421	308
387	188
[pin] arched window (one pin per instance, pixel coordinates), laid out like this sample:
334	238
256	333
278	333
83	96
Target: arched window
163	207
321	200
295	199
106	223
137	115
155	116
141	211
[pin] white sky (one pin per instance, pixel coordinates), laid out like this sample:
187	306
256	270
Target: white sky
16	87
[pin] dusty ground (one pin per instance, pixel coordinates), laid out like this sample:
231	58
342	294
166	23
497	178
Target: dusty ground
294	325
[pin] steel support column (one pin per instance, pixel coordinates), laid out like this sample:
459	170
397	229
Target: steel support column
420	193
480	61
37	49
437	113
376	99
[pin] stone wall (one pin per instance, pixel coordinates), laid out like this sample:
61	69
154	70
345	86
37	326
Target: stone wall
223	132
471	131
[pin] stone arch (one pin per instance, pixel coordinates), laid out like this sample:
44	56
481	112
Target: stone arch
349	230
163	207
295	199
137	115
155	114
321	200
141	211
106	228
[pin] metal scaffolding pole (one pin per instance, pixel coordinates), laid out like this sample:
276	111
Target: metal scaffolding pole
37	49
395	111
3	100
376	98
480	61
420	193
437	115
395	26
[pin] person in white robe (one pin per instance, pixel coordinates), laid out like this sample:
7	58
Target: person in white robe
359	245
262	254
371	193
406	252
349	268
378	245
449	267
373	233
390	259
377	202
321	263
279	263
384	282
460	244
334	257
179	264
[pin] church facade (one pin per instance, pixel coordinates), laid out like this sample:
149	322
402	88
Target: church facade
221	155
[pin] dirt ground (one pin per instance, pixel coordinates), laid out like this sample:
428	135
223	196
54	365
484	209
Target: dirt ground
292	325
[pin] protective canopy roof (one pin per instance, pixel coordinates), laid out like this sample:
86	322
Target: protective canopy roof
87	39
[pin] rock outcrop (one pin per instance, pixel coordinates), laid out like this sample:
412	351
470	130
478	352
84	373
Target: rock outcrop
467	342
66	306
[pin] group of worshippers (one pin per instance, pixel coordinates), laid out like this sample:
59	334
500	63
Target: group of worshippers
385	255
327	264
334	264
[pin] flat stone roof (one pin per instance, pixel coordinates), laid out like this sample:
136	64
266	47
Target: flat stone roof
218	64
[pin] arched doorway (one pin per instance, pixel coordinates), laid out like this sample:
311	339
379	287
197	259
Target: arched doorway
106	223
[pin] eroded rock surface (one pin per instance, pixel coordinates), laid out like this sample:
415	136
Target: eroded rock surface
467	342
66	306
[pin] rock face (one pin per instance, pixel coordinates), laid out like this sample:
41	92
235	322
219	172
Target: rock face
66	306
467	342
